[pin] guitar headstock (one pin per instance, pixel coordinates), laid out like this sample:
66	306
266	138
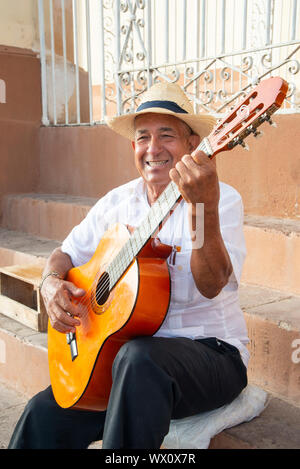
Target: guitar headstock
256	108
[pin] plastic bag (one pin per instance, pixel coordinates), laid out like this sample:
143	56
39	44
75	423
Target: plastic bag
196	432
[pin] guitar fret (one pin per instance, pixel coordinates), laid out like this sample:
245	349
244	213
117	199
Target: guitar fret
128	246
114	270
112	275
155	216
142	239
175	190
128	255
144	233
164	204
148	221
136	246
141	233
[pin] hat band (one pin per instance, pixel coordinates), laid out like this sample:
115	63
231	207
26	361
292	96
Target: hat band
170	105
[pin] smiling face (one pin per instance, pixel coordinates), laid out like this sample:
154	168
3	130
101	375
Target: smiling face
160	142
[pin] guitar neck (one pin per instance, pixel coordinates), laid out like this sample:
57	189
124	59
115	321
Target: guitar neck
159	211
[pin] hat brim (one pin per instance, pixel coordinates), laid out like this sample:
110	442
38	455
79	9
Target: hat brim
201	125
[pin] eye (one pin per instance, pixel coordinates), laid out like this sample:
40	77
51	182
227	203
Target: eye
142	138
167	136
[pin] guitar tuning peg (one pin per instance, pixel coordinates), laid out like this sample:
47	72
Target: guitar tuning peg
258	134
245	146
272	123
254	131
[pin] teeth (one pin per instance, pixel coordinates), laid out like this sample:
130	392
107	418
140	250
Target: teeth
156	163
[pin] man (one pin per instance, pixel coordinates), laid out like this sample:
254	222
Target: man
197	359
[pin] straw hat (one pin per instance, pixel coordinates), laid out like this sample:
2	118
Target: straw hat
164	98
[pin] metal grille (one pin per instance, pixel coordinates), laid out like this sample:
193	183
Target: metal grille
98	56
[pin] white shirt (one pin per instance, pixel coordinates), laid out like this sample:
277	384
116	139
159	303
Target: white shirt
190	314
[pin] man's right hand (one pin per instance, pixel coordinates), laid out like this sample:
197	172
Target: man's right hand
63	314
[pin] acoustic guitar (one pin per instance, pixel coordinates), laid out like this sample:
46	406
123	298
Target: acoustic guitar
127	280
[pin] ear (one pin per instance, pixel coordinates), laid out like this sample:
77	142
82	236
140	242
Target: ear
194	141
133	145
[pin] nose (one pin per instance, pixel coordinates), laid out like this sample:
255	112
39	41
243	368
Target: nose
154	146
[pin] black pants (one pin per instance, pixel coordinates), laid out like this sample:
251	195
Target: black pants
154	380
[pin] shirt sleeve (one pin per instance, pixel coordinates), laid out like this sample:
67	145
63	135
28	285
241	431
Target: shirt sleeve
231	213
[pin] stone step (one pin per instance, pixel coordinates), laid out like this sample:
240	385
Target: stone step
23	357
273	322
49	216
23	248
277	427
273	246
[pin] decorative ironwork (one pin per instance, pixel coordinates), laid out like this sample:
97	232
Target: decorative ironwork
212	83
146	41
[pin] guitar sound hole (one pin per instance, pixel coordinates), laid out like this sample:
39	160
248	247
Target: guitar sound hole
102	289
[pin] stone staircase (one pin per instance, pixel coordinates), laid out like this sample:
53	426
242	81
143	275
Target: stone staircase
32	225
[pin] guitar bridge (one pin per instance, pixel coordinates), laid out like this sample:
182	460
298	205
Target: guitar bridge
71	341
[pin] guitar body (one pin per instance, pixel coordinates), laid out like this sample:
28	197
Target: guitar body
136	306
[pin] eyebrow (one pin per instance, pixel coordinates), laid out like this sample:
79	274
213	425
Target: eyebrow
161	129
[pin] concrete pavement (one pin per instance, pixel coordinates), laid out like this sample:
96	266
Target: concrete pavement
12	404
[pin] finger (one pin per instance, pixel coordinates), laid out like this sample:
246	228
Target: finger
61	327
75	291
200	157
62	321
200	166
72	300
62	302
66	317
175	177
184	174
188	171
190	163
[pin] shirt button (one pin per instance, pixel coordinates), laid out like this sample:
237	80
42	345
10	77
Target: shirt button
180	267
